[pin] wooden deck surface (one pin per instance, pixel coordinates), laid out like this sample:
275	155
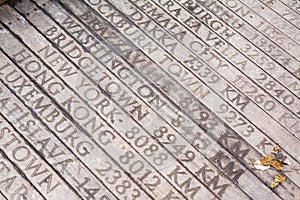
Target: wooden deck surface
149	99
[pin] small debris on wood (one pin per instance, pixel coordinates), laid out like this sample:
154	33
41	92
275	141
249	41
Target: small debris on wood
271	160
277	180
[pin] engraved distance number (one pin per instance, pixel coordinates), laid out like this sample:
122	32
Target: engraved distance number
203	118
261	60
272	86
232	118
149	148
113	177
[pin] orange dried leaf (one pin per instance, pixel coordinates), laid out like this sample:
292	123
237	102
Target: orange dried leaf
278	164
270	160
267	160
274	184
276	149
277	180
283	179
